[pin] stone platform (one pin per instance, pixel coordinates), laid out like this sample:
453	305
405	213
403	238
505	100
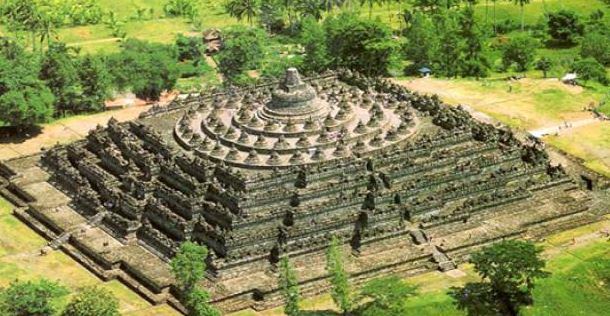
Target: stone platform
406	183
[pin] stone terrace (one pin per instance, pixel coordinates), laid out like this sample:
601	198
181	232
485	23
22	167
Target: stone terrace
405	182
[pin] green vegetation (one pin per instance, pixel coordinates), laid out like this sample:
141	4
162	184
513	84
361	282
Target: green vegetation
385	296
339	278
92	301
289	286
30	298
509	270
188	267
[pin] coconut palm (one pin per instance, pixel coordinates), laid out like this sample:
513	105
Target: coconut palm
242	8
521	4
371	3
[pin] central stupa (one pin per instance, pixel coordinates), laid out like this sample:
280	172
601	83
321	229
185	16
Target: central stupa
294	99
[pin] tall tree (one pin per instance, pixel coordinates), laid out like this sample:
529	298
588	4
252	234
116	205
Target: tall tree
290	287
474	63
448	55
521	4
339	278
509	270
188	267
386	297
370	4
360	44
242	8
92	301
422	41
95	82
31	298
59	70
313	38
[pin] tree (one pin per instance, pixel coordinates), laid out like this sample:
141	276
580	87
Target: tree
509	270
544	64
473	61
25	100
32	16
310	8
339	278
359	44
423	41
520	50
590	69
31	298
59	70
95	82
289	286
185	8
92	301
313	39
386	296
371	3
448	55
564	26
243	49
188	267
522	4
596	45
242	8
197	301
145	68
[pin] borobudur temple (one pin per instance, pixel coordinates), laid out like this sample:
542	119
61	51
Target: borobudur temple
405	182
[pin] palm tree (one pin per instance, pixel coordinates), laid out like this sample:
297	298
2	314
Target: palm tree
329	5
522	3
242	8
371	3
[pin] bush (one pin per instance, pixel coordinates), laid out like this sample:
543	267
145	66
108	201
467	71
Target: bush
30	298
189	47
92	301
596	45
590	69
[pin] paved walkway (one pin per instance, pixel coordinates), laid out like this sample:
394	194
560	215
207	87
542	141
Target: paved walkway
63	131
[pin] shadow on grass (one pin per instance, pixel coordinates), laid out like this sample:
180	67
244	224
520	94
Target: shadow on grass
17	135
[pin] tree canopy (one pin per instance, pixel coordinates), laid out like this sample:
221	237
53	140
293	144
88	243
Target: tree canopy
32	298
509	270
92	301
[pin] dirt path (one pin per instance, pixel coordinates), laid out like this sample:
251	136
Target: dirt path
63	131
566	127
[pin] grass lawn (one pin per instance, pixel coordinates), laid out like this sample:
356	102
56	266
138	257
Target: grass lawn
590	143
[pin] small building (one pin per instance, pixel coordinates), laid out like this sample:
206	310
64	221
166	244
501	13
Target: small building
425	72
570	78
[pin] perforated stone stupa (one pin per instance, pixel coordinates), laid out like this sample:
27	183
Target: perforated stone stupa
405	182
